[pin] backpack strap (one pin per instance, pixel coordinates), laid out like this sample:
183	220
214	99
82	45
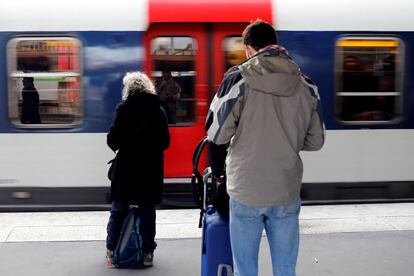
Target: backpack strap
197	183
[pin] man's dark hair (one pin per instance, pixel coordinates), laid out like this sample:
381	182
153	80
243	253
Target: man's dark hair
259	34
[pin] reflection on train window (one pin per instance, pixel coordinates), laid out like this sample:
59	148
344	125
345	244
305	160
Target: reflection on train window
44	82
174	74
369	79
233	51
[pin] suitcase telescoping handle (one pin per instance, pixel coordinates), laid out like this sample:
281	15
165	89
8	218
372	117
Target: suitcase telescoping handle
207	174
203	186
225	267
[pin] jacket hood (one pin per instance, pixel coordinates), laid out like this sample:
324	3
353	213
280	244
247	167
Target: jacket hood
271	72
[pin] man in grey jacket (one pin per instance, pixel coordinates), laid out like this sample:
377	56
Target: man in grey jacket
267	111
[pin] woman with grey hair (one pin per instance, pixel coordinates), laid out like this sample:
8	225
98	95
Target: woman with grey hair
140	134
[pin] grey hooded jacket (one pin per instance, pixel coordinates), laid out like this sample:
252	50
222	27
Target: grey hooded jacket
268	112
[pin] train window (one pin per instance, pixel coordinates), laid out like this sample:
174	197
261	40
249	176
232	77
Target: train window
174	74
44	82
233	51
369	79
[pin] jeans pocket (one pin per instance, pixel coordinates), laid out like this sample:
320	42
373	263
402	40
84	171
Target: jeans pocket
291	209
243	211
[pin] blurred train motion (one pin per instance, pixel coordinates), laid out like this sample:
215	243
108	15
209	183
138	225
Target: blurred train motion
61	69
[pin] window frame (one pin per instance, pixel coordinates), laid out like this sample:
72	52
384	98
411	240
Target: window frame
153	74
399	80
13	73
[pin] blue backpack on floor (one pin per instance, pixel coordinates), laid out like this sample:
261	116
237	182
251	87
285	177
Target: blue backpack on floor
128	251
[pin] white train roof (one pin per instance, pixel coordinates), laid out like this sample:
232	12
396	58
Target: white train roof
343	15
73	15
132	15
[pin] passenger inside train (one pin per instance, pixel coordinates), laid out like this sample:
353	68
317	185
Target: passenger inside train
169	92
30	104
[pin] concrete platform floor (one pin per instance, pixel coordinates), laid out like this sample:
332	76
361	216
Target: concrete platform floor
368	239
338	254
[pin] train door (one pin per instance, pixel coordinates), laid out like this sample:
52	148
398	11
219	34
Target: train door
187	62
176	61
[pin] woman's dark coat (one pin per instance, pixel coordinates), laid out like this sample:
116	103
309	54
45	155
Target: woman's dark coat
140	134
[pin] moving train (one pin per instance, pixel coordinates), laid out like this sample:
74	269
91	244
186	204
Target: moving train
359	53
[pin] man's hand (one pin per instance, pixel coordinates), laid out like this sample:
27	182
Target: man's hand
220	179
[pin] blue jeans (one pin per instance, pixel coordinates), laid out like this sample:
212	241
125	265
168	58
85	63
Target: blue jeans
282	229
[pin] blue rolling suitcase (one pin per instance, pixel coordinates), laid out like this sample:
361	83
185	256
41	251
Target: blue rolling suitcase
216	258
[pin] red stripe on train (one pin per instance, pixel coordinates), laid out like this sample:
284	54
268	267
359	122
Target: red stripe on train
209	10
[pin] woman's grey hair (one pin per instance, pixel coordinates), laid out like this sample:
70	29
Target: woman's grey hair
136	82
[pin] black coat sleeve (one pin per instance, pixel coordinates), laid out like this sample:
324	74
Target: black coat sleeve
217	154
165	133
114	136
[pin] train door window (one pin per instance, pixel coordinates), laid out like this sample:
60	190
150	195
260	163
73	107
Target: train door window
369	79
174	75
233	51
44	82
